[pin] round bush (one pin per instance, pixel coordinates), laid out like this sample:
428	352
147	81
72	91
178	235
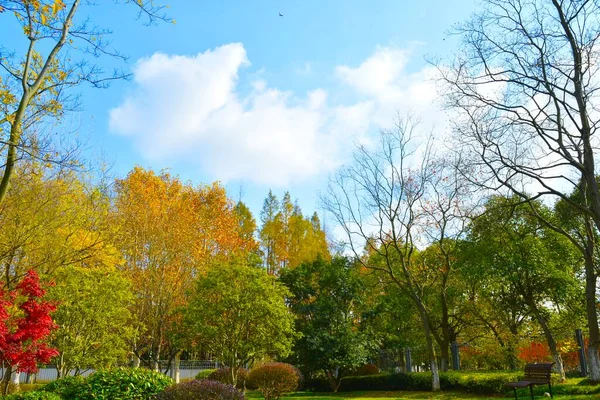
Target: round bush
275	379
223	375
204	374
201	389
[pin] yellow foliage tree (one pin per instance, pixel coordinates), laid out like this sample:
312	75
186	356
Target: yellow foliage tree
169	232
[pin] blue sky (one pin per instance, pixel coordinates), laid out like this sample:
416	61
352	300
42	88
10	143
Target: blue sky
235	93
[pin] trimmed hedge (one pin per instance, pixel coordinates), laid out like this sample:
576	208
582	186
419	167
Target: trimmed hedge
478	382
471	382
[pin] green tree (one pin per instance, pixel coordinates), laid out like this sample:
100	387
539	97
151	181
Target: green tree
93	318
270	230
524	89
328	299
526	263
238	313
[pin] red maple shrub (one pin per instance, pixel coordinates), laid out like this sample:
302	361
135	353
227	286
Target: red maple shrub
23	333
274	379
534	352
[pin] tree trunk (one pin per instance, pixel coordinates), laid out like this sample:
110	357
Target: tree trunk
176	372
6	379
510	353
156	360
445	355
234	374
334	380
15	382
136	361
435	374
558	366
445	323
590	305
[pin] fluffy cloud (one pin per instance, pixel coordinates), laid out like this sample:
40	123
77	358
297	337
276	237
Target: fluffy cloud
190	107
384	80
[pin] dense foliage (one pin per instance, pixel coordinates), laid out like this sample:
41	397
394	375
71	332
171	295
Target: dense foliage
238	313
93	316
328	299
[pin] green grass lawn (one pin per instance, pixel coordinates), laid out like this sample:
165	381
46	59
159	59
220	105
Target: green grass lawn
408	395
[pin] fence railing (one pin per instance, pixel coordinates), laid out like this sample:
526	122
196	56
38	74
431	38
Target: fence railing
187	369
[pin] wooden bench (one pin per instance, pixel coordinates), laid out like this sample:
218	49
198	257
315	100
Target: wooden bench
535	374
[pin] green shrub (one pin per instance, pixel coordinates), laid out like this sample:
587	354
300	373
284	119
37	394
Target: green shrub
479	383
35	395
201	389
67	387
370	382
118	383
125	383
317	384
204	374
223	375
471	382
274	379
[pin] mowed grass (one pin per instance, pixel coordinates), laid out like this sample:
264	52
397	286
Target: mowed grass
410	395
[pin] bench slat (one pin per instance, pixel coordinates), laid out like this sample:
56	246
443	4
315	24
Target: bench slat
535	374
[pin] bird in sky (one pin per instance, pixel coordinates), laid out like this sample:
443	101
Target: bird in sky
280	14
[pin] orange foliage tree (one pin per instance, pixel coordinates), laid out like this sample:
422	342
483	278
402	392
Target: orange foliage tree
168	233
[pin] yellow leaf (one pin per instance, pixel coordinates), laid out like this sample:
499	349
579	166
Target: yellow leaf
43	17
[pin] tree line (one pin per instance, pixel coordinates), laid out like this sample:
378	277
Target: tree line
494	230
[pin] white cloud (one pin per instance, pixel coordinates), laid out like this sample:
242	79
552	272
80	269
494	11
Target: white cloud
190	108
383	78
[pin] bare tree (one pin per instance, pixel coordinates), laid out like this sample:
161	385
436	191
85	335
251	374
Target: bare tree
36	83
391	200
525	88
448	207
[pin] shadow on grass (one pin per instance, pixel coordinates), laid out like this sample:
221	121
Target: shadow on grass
414	396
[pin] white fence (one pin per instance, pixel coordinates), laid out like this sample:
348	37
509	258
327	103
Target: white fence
187	370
